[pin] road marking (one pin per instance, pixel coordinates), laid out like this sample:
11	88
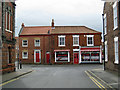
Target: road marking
8	82
95	81
13	79
101	80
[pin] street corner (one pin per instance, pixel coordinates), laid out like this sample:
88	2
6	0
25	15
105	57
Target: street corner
101	79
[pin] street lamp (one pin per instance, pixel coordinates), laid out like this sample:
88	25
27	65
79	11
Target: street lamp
103	43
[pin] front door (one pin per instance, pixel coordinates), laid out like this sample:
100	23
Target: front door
76	58
48	58
37	56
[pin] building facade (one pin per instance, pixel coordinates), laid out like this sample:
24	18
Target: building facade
59	45
8	36
112	35
34	43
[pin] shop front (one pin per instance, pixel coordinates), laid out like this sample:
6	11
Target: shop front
62	55
91	55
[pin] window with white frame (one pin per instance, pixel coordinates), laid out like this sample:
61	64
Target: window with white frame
116	50
61	56
37	43
106	51
25	55
90	40
115	15
61	40
24	43
75	40
105	24
8	19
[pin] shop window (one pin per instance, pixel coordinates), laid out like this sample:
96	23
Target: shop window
90	40
62	56
37	43
90	56
115	15
75	40
61	40
25	55
24	43
116	50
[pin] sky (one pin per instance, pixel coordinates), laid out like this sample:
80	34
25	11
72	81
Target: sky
64	12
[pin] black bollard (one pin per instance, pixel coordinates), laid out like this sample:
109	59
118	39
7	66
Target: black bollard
20	64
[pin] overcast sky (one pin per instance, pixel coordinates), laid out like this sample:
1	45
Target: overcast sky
64	12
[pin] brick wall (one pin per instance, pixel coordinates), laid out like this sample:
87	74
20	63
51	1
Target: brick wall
69	44
8	40
111	34
44	47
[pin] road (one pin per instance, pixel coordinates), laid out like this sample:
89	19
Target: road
56	76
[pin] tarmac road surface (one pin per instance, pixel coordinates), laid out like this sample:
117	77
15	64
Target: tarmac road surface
56	76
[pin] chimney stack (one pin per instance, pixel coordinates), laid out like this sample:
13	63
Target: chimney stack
22	25
52	22
53	27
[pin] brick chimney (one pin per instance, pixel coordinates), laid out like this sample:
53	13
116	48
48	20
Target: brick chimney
22	25
53	27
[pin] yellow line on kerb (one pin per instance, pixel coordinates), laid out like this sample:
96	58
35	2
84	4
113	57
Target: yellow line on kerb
8	82
12	80
95	81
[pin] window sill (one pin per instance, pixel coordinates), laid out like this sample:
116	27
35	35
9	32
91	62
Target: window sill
61	45
106	60
75	45
116	62
8	31
24	58
90	45
24	46
37	46
115	28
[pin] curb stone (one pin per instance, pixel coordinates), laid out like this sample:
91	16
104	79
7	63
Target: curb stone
19	75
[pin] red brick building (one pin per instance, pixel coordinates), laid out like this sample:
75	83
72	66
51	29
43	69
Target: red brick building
112	35
59	45
8	36
34	43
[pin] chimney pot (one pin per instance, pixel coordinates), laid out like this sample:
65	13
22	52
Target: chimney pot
52	22
23	25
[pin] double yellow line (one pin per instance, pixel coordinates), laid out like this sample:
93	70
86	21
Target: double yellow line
8	82
96	82
13	80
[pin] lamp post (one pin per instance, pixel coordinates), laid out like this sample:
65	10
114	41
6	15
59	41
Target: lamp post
103	43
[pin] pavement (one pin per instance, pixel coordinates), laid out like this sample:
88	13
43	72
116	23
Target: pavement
20	72
110	78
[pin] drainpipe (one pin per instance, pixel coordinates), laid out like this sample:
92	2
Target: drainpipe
103	43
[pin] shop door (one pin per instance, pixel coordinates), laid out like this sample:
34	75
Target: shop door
48	58
37	57
76	58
